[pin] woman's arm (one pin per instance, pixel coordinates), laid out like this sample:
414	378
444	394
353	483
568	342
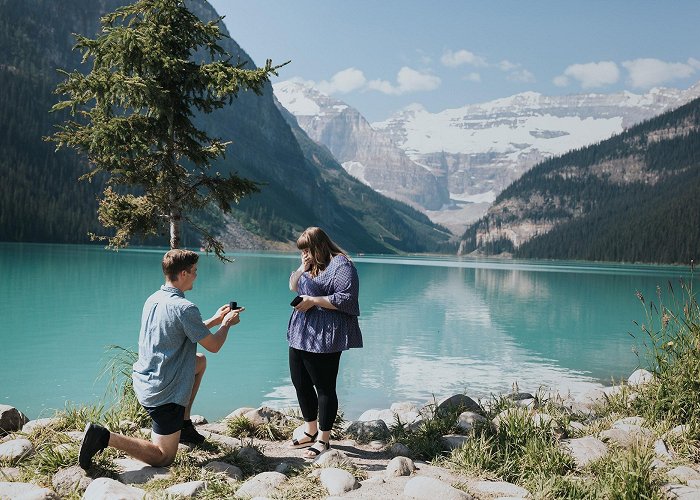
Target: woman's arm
294	278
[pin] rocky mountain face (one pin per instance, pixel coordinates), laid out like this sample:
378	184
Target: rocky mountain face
477	150
634	197
301	185
366	154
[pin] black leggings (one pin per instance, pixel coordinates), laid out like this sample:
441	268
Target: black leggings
319	370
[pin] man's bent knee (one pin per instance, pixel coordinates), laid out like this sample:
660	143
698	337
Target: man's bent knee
200	363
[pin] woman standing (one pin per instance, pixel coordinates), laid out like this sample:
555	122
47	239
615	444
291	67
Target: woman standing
323	325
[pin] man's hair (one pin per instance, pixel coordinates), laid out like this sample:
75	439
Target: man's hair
175	261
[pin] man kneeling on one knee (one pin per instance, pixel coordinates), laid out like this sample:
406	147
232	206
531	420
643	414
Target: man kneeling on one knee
169	370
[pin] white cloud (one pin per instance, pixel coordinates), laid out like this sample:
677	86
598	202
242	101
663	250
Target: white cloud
561	81
343	82
454	59
590	75
521	76
407	80
472	77
647	72
506	65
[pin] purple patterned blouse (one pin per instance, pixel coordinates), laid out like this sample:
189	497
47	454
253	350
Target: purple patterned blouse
327	330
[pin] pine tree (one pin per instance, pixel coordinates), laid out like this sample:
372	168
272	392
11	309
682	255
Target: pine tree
154	65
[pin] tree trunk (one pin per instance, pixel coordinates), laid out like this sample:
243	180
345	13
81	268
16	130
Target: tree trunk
175	225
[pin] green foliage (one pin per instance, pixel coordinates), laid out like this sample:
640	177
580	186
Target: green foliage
672	330
132	117
626	475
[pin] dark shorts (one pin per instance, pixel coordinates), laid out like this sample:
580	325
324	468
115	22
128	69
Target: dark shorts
167	418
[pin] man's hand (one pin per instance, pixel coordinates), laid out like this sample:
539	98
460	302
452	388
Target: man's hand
218	316
232	317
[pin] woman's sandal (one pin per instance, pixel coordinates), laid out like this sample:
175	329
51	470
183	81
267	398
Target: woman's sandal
314	452
304	444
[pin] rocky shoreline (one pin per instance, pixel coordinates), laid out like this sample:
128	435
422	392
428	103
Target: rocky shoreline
364	463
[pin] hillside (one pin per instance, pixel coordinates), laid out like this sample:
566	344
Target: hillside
43	202
632	198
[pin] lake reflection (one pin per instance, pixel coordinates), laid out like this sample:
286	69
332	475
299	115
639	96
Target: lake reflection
430	326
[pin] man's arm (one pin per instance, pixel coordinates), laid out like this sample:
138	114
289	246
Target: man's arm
218	316
214	341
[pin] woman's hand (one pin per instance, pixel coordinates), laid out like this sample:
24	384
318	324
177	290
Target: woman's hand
307	302
306	260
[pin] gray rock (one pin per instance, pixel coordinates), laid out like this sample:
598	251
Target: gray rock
69	480
189	489
388	416
404	407
453	441
16	450
678	430
229	470
338	481
251	455
25	491
498	488
283	468
399	449
136	472
626	434
109	489
577	426
429	488
681	492
683	474
661	450
264	484
623	423
39	423
11	419
368	431
459	402
377	445
216	428
468	420
585	450
640	377
198	420
332	458
264	415
400	466
76	436
9	474
238	412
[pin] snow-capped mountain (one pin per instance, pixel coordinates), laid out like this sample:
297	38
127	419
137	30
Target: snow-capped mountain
477	150
363	152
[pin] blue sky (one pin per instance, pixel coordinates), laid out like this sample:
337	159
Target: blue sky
380	56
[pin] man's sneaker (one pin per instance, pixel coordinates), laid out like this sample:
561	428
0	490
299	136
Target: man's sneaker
95	439
189	434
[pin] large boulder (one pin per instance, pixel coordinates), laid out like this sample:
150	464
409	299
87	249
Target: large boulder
40	423
11	419
262	485
458	402
133	471
400	466
338	481
70	480
365	432
109	489
229	470
264	415
429	488
640	377
25	491
585	450
16	450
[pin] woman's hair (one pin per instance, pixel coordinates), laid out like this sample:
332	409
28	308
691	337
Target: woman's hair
320	246
176	261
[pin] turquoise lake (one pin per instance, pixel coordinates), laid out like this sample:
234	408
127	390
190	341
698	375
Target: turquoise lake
432	326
